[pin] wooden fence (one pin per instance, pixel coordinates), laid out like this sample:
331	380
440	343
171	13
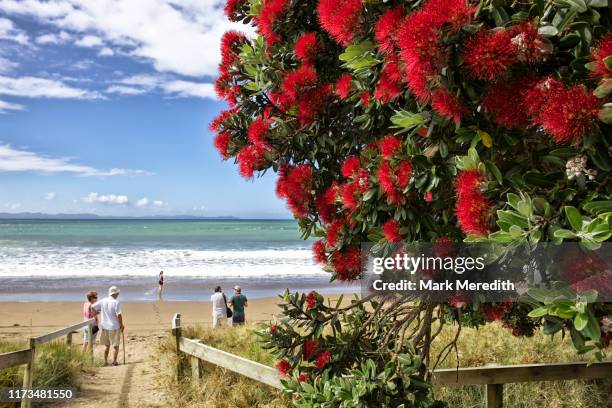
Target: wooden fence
26	356
493	378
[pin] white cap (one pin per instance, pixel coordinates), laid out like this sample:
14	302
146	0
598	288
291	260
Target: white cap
237	288
113	290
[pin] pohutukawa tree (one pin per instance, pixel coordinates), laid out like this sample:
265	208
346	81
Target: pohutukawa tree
430	121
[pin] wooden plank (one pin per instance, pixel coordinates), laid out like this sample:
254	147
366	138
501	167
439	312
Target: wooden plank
195	370
28	375
232	362
14	358
495	395
45	338
176	332
521	373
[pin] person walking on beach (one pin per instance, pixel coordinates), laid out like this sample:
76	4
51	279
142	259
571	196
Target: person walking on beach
111	324
219	307
160	283
90	313
238	302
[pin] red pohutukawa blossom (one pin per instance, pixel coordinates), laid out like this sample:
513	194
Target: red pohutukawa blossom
312	102
393	181
350	166
496	312
350	196
428	197
269	13
231	7
294	185
390	83
250	159
323	359
303	377
229	47
504	100
307	47
347	263
529	46
340	18
569	114
489	54
215	125
389	146
325	204
343	86
447	105
387	28
284	368
222	142
257	131
318	249
309	349
297	81
311	299
472	208
365	99
535	97
603	50
391	230
333	232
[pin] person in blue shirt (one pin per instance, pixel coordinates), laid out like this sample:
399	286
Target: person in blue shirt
238	302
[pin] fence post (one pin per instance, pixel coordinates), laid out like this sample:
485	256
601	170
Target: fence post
195	370
90	341
495	395
176	331
28	375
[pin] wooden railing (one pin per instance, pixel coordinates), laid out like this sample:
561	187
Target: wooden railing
493	378
26	356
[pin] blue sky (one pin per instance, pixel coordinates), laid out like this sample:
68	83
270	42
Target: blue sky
104	108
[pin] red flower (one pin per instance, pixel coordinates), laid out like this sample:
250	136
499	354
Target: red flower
489	54
284	368
365	99
448	106
258	130
459	300
251	158
306	47
222	142
428	196
393	184
231	7
343	86
350	193
535	97
312	102
350	166
387	28
569	114
333	232
326	204
603	50
347	263
302	378
390	146
472	207
318	249
294	184
216	123
229	47
390	83
273	329
404	172
311	300
270	11
340	18
323	359
495	312
309	349
529	46
504	100
297	81
391	231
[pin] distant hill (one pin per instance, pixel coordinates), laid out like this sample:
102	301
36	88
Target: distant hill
42	216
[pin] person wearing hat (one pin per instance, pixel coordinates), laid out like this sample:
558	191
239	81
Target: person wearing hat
238	302
111	324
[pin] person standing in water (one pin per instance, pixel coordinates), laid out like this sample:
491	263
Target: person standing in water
160	283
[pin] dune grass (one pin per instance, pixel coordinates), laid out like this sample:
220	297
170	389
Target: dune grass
56	365
490	345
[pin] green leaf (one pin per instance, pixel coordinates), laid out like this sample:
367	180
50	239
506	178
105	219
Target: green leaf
580	321
492	168
548	31
605	115
565	234
574	217
597	3
591	329
539	312
407	120
598	207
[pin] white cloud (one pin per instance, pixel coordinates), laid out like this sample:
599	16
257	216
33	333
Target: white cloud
50	196
139	84
7	65
89	41
13	206
143	202
10	33
7	106
106	52
178	36
14	160
52	38
110	199
35	87
187	89
125	90
158	203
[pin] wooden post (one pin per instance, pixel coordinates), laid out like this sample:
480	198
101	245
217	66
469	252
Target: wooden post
90	342
176	331
495	395
195	370
28	375
69	340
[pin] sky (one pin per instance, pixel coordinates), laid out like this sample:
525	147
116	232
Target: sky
104	108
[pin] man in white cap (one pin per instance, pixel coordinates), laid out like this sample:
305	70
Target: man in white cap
111	324
238	302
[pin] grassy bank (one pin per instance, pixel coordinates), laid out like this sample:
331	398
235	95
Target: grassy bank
491	345
55	366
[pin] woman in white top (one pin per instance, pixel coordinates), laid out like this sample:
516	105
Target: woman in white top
219	307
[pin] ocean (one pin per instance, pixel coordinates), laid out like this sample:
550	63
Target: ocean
59	260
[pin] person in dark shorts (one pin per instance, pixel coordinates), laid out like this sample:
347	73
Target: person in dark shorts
160	283
238	302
